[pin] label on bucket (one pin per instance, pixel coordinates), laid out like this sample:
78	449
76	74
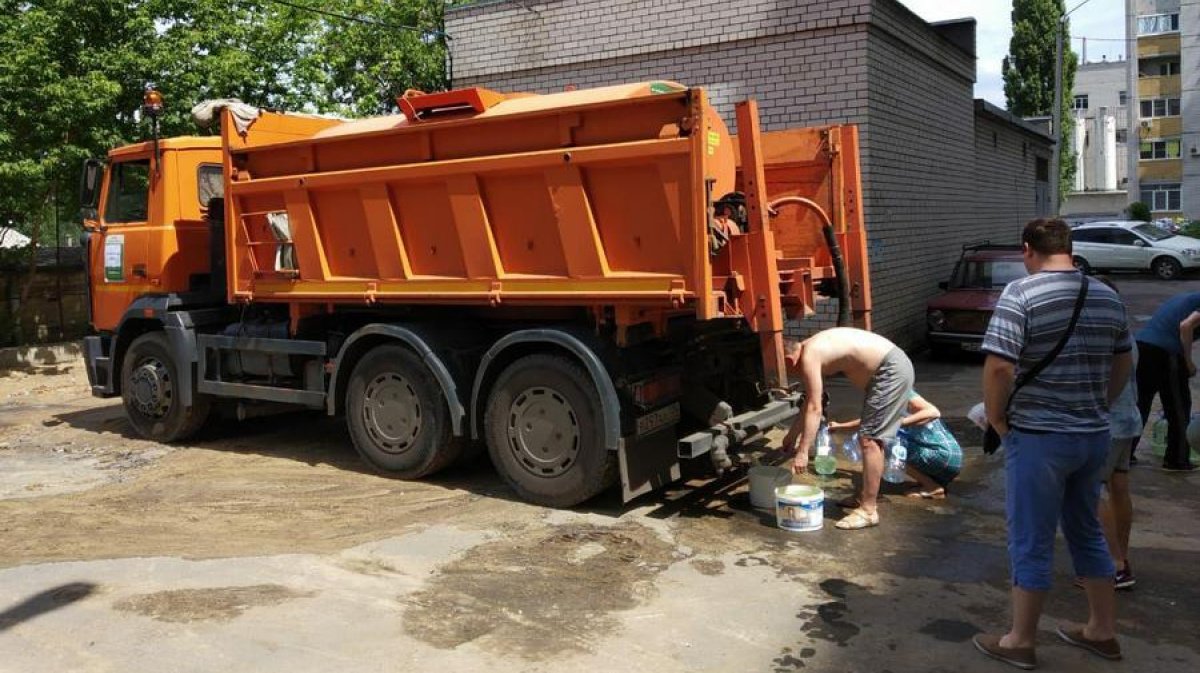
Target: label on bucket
797	510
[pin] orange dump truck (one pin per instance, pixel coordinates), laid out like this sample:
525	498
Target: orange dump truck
590	284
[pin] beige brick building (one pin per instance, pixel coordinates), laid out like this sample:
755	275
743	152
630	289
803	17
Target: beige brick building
934	177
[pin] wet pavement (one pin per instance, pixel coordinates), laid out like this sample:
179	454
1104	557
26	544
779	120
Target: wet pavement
267	547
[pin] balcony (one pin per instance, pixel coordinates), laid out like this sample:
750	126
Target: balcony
1160	169
1158	45
1163	85
1161	127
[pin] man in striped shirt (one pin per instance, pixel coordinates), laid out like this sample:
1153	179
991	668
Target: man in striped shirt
1056	435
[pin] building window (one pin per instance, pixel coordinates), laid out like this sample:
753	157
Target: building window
1042	170
1081	102
1160	149
1168	68
1123	98
1155	24
1122	136
1162	197
1159	107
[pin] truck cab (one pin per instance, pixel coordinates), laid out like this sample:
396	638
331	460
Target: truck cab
147	233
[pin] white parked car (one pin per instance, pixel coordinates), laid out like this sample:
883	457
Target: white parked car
1134	246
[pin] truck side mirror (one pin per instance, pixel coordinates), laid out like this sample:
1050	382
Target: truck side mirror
1139	243
89	186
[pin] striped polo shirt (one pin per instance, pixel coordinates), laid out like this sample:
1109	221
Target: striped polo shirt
1071	395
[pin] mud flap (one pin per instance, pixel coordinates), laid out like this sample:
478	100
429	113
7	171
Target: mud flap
648	463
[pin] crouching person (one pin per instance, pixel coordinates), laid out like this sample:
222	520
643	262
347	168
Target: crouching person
934	455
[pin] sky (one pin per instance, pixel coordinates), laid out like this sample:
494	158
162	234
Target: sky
1096	19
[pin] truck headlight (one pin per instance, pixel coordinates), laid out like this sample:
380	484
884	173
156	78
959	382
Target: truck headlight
935	320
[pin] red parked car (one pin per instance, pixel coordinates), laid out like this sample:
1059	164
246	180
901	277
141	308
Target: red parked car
957	319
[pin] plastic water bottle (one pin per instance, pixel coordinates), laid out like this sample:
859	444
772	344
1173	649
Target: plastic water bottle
1158	436
894	470
850	450
825	463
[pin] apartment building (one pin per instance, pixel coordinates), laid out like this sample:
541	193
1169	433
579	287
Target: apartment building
1168	112
1100	142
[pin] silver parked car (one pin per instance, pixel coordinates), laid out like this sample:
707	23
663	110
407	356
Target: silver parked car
1134	246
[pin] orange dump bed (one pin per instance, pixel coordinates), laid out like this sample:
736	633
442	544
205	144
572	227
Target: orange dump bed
582	198
572	198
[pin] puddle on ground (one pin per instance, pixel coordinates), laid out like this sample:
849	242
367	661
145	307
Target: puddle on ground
537	597
219	603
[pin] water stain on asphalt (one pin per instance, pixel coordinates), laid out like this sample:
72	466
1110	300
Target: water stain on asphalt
788	660
951	630
218	603
539	596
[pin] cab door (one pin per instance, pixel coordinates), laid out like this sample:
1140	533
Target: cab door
118	243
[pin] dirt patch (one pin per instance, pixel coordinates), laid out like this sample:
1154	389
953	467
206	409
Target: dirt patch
536	597
197	605
708	566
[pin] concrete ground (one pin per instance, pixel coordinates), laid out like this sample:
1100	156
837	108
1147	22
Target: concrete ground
266	546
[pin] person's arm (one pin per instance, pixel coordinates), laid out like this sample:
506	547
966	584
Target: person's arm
1187	333
998	377
804	429
846	425
1118	378
1003	343
920	412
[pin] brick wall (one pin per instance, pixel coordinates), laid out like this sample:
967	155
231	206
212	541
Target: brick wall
808	62
1005	179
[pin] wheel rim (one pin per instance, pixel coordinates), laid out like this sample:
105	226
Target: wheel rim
392	413
151	388
1166	269
543	432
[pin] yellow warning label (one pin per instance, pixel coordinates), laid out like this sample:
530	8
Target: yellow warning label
714	140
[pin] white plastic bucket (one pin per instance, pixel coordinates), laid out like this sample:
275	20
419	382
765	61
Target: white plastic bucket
764	479
799	507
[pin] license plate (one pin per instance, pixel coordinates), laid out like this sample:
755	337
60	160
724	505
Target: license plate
657	420
972	347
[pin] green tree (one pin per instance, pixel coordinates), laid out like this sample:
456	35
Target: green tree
1028	71
73	73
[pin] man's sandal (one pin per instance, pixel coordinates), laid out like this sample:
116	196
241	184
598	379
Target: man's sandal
858	519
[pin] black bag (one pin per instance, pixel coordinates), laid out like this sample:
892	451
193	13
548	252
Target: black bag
991	438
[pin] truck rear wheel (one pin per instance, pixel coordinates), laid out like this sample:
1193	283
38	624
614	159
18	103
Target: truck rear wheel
397	417
150	391
544	434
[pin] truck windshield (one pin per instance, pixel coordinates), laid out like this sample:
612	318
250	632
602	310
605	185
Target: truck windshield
128	197
988	274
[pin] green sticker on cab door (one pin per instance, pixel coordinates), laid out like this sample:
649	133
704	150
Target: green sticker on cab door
114	257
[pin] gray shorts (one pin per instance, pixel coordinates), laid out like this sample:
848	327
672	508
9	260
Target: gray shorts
887	393
1119	451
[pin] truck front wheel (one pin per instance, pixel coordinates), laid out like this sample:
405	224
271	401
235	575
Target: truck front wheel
544	433
397	416
150	390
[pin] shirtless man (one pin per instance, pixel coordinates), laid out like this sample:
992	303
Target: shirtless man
885	375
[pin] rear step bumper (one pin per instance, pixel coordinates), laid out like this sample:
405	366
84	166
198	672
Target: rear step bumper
742	427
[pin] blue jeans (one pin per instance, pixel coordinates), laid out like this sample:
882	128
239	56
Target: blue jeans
1051	478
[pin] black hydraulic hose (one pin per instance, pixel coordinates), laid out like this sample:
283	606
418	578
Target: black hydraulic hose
835	252
839	273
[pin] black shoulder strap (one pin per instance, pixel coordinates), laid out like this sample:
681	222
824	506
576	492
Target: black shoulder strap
1032	374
